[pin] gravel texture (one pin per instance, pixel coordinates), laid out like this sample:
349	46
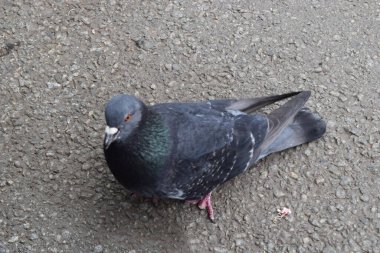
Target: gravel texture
60	61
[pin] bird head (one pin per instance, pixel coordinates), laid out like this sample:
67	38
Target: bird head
123	114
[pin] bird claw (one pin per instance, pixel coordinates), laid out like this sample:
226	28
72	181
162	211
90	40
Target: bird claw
204	203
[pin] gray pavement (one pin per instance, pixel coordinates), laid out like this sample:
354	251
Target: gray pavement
60	61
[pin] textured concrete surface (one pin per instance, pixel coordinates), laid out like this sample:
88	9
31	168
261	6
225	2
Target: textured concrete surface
61	61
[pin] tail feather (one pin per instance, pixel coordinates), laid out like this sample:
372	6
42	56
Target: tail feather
291	125
306	127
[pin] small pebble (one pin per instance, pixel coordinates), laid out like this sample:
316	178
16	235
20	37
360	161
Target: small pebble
194	241
314	222
176	67
17	164
343	98
98	248
264	174
364	198
52	85
337	37
86	166
340	193
345	180
33	236
306	240
339	207
171	83
328	249
66	235
50	153
220	250
278	193
13	239
319	180
239	242
294	175
334	93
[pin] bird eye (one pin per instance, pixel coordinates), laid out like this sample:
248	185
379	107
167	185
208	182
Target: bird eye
128	117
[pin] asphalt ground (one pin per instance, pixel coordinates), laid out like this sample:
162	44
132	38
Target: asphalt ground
60	61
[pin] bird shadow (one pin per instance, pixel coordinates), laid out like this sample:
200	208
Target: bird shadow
134	223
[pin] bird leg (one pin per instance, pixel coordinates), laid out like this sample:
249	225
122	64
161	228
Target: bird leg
205	203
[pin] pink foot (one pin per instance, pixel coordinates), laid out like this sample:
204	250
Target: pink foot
205	203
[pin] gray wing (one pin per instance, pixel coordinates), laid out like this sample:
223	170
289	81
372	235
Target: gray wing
209	147
216	140
216	167
211	122
248	105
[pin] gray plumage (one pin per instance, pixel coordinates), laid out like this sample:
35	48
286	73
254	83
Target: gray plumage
185	150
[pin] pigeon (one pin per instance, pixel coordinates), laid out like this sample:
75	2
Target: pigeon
185	150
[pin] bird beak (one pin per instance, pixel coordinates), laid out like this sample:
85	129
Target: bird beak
111	134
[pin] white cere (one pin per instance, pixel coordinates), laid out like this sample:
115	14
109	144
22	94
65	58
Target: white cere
111	130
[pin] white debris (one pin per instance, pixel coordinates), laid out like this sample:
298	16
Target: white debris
284	212
281	213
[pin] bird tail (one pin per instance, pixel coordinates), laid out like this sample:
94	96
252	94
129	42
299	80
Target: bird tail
291	125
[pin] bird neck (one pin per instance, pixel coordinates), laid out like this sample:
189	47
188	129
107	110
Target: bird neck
150	143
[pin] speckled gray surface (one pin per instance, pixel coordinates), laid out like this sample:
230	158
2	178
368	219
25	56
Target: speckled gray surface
61	61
